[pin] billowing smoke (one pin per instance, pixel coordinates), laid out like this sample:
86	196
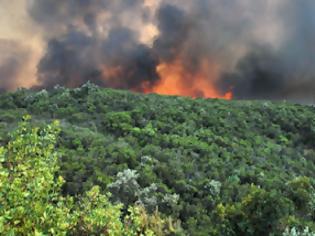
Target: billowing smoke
286	71
119	61
261	49
95	40
12	60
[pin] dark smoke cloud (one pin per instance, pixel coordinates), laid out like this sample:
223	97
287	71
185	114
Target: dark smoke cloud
80	53
281	67
174	26
284	73
265	49
136	62
259	74
77	58
67	62
203	29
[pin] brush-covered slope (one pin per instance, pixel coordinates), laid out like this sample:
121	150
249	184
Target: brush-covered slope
220	167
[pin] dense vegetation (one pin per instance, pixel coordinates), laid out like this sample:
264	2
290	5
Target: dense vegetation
32	204
220	167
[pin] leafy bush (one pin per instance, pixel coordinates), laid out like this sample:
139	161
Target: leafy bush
294	232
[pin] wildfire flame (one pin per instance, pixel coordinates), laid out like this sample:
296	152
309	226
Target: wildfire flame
177	80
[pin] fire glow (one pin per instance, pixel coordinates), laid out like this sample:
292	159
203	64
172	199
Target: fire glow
177	80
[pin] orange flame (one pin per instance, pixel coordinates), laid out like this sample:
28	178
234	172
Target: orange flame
176	80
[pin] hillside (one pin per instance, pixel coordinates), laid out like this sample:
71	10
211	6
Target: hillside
220	167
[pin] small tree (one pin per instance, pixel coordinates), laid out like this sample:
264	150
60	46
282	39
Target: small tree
30	200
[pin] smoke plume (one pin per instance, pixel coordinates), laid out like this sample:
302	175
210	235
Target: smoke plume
211	48
12	62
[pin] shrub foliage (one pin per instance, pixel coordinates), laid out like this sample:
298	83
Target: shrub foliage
219	167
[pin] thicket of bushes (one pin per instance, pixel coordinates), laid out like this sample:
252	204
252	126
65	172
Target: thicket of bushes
31	202
220	167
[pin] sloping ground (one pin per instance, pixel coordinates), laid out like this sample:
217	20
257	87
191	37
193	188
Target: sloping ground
221	167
